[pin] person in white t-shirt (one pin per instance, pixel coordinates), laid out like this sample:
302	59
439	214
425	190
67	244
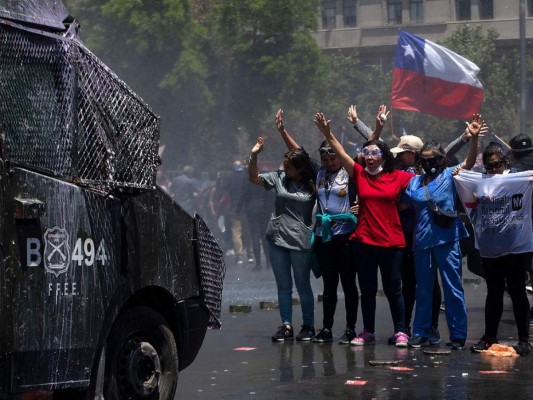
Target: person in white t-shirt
499	205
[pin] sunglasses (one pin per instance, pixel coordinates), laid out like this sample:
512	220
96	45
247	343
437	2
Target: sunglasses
428	159
376	153
494	165
326	151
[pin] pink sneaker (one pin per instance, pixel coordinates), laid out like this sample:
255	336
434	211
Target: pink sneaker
364	338
401	339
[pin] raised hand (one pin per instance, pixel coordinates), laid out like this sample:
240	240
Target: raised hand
352	114
475	127
382	115
322	123
279	121
483	131
258	147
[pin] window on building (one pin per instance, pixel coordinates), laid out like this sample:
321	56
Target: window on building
394	11
416	11
329	12
530	8
486	9
462	10
349	13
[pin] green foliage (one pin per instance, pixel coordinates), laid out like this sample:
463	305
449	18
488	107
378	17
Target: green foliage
499	74
217	71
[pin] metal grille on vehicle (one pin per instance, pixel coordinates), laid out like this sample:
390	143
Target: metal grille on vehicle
212	270
70	116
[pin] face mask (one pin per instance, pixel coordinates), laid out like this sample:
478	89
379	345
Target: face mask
431	165
376	171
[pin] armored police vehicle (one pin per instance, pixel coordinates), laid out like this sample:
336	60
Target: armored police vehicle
107	286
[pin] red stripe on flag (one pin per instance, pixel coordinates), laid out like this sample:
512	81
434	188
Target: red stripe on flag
417	92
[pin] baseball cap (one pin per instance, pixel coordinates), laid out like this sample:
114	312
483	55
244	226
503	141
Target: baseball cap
408	143
520	143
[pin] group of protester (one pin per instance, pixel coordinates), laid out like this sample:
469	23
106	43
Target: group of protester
396	210
238	212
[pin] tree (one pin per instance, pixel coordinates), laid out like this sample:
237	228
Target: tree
499	72
215	71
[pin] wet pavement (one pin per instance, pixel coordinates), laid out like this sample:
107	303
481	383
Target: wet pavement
241	362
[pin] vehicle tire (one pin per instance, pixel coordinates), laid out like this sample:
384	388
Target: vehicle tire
141	358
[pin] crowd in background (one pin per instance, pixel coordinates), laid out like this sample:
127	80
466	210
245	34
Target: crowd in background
236	212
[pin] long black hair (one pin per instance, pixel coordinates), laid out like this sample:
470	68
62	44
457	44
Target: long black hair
300	160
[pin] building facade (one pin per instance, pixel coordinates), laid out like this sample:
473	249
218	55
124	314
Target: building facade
371	26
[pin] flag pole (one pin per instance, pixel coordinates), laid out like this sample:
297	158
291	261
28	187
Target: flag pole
523	83
392	125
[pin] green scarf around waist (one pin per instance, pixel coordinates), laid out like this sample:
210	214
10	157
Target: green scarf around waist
327	219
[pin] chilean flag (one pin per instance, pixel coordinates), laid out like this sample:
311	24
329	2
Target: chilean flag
434	80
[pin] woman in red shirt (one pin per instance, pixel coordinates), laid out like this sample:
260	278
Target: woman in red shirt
379	237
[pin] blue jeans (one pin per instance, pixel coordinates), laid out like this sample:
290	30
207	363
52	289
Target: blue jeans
282	259
389	260
447	257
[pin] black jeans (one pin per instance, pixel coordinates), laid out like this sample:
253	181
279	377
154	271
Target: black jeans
511	269
336	260
389	260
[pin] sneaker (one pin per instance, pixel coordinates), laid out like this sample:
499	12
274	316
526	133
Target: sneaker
401	339
347	336
483	344
284	333
323	336
434	337
364	338
529	285
522	348
391	341
456	344
418	341
306	333
250	260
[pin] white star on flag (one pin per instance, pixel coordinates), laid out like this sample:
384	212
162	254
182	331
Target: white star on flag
408	51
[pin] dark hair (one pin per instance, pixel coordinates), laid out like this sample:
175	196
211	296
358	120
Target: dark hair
324	143
434	147
387	156
437	150
300	160
494	148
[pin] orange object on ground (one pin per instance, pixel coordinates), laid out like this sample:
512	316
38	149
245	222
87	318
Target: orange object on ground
500	350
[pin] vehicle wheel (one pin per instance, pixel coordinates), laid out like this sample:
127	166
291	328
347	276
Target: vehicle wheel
142	358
